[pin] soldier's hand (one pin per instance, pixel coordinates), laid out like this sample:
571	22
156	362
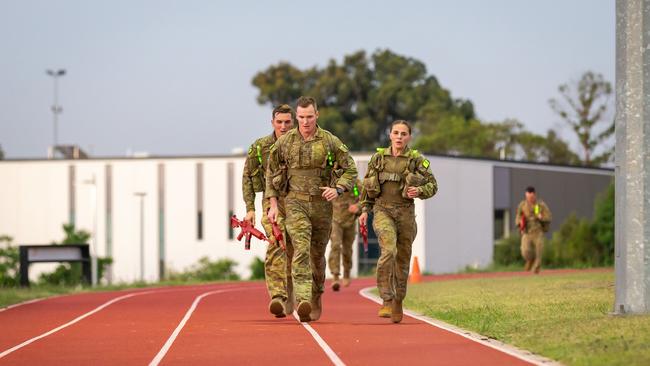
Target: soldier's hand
412	192
272	214
329	193
354	208
363	219
250	217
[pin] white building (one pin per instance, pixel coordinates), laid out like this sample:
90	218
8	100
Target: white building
188	201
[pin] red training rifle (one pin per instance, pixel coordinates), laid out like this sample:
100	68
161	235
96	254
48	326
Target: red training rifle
247	229
363	230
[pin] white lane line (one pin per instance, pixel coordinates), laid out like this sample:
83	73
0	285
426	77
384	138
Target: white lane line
155	289
163	351
492	343
23	303
75	320
328	350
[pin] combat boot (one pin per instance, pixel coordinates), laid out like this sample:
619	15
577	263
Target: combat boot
386	309
528	265
304	309
336	285
346	282
277	308
396	312
316	307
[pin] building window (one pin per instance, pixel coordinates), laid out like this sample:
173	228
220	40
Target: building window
109	219
71	194
161	221
501	224
230	197
199	201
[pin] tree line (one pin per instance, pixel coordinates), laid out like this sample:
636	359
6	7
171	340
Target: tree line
363	94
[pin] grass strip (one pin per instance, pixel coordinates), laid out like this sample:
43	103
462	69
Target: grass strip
564	317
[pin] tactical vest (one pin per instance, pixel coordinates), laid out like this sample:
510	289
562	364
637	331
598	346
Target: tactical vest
390	182
258	169
328	171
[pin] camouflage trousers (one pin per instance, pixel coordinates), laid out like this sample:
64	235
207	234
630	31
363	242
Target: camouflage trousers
532	246
309	222
277	269
341	248
396	229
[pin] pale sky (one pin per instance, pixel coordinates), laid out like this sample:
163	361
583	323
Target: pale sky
174	77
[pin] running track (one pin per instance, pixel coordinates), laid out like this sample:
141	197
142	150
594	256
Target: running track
225	324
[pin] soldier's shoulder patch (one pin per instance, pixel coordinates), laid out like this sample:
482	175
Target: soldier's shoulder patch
343	148
425	163
380	150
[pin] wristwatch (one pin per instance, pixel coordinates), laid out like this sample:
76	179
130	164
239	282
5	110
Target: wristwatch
339	191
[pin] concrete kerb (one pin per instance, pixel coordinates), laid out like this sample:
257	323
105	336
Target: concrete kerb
487	341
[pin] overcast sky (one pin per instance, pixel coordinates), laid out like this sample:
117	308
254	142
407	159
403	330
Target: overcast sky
174	77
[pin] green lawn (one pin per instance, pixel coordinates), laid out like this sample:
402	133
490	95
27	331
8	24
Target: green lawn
563	317
10	295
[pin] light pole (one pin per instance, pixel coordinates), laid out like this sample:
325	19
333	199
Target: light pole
56	108
93	249
141	195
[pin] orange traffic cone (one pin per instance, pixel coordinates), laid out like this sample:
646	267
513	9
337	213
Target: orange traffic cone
415	276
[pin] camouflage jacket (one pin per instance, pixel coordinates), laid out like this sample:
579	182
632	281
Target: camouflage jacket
387	176
255	168
300	166
340	213
533	223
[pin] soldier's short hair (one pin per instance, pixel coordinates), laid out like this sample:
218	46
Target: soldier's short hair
282	108
530	189
304	102
401	122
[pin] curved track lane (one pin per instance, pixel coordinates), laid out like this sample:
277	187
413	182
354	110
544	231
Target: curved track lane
227	323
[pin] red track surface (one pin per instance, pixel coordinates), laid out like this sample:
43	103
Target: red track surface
229	327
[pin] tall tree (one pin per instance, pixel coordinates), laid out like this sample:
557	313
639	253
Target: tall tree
361	96
2	153
583	106
544	149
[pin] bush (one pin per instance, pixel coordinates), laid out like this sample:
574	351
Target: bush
9	263
572	245
69	274
66	274
205	270
257	269
603	225
507	250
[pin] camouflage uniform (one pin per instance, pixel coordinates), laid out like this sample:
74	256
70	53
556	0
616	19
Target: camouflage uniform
532	239
343	232
297	168
276	266
394	215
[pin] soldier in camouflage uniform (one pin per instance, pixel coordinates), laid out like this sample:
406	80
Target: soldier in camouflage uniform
346	210
277	269
536	221
396	175
311	167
